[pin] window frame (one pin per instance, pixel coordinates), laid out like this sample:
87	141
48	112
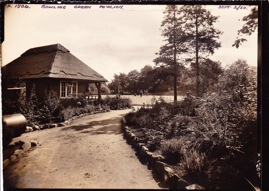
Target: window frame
73	85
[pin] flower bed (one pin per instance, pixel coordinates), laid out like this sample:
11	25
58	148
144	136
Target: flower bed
204	140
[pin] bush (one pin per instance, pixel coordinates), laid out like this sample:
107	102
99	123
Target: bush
74	102
50	109
117	102
194	163
131	119
68	113
89	108
154	139
172	150
188	106
104	89
31	107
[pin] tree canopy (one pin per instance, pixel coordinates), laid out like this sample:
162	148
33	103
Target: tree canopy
201	36
249	27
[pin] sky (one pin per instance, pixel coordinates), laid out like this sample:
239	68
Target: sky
112	40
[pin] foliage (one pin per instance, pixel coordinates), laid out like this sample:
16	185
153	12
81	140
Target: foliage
146	78
200	35
131	119
172	150
71	111
68	113
31	107
249	27
149	80
239	83
194	163
154	139
80	101
168	55
92	89
50	108
11	100
209	74
104	89
133	81
119	84
117	102
214	136
10	103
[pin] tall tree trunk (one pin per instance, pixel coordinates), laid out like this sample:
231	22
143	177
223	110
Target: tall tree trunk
175	60
98	85
196	56
175	78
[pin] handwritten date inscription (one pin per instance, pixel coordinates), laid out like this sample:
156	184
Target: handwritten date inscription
237	7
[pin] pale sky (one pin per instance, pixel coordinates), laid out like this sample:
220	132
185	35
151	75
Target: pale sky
112	40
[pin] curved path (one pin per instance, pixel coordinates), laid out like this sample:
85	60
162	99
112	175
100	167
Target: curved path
88	153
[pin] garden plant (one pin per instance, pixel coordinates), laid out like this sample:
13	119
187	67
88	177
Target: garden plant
210	139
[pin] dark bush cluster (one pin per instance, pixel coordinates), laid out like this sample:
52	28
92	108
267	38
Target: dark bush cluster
117	102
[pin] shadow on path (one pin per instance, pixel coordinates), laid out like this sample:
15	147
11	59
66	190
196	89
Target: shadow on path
107	126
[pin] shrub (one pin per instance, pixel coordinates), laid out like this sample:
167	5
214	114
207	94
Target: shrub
68	113
104	89
79	110
9	105
172	150
74	102
131	119
194	163
50	108
89	108
117	102
154	139
31	107
188	106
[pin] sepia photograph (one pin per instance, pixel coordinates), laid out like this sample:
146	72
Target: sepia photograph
129	96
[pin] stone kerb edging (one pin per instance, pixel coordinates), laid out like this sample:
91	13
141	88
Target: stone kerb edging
17	150
156	163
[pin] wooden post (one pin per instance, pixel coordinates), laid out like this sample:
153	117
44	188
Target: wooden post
98	85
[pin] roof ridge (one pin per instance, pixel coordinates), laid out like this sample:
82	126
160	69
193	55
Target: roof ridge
47	48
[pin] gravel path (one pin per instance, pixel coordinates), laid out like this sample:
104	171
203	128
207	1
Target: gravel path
88	153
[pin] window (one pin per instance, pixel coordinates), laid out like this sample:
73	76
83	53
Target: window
68	89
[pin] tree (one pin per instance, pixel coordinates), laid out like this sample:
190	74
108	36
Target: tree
161	79
250	26
209	73
132	80
201	35
119	83
104	89
146	79
174	36
240	82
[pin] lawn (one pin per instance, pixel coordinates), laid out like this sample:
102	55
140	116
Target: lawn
149	99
